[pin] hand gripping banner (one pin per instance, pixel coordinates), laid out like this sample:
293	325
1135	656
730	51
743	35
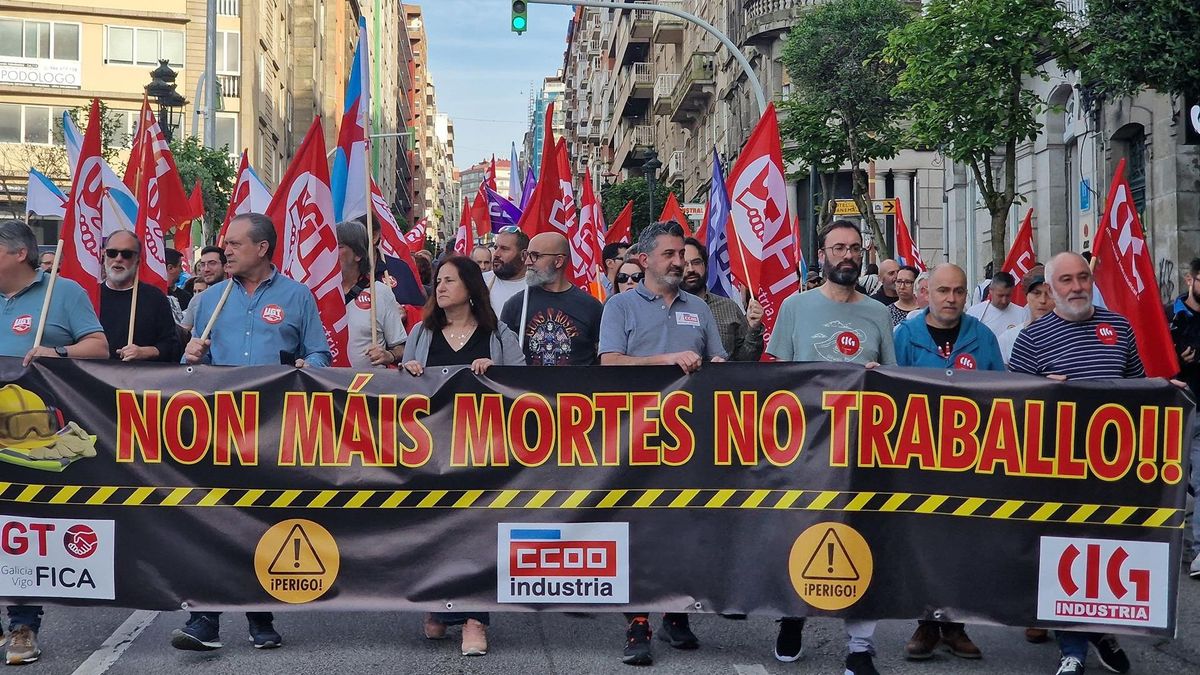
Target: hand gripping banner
781	489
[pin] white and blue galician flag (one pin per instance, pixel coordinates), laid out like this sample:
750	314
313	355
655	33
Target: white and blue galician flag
119	207
348	175
43	197
514	177
720	276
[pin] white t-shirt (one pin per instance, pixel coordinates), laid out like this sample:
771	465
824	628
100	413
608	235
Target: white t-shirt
389	322
1007	339
999	320
502	289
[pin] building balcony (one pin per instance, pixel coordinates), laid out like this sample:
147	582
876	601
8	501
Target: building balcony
676	169
664	86
642	80
642	22
668	28
695	90
634	146
764	19
229	86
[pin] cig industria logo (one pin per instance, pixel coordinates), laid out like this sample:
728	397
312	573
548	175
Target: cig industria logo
562	563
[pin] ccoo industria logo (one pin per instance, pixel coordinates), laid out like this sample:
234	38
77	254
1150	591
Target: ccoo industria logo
562	563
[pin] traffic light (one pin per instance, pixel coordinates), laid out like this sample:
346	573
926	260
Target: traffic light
520	16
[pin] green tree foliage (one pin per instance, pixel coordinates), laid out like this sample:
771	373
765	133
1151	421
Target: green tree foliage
1137	43
843	109
217	175
966	64
613	198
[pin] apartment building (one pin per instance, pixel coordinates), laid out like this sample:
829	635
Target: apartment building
552	90
279	64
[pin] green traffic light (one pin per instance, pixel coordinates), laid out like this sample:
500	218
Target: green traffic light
519	23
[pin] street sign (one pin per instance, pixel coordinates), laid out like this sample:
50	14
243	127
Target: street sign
881	207
693	211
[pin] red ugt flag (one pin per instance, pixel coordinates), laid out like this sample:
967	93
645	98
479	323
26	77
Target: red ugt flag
162	201
1125	276
307	247
760	232
83	222
464	242
1021	257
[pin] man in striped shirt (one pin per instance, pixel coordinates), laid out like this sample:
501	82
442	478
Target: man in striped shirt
1078	341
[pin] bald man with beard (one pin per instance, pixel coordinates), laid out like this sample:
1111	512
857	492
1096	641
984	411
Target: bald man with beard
557	323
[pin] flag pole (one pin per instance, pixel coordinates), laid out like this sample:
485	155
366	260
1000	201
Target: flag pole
212	320
370	223
137	274
41	329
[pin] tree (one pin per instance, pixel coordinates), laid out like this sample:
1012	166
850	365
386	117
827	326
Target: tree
966	64
843	109
1143	44
216	173
613	198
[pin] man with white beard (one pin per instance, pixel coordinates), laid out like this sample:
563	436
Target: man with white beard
154	334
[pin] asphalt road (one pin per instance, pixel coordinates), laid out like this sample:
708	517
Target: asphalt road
94	641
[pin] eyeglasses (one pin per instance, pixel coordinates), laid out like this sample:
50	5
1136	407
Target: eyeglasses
636	277
904	282
125	253
842	249
534	256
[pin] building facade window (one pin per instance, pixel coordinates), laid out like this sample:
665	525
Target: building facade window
227	134
1136	171
142	46
229	53
39	39
31	124
229	8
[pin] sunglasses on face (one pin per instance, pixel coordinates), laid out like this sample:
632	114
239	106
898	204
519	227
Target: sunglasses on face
125	254
623	278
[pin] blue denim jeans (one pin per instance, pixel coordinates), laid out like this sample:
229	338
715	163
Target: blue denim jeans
1072	643
459	618
251	616
24	615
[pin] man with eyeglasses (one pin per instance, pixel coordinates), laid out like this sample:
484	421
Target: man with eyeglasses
837	324
211	269
741	332
154	334
72	331
507	277
558	323
658	324
612	254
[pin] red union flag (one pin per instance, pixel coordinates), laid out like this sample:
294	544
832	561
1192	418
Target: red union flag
414	239
673	212
546	204
306	248
586	239
463	241
1125	276
761	249
622	227
83	222
1020	258
249	196
906	249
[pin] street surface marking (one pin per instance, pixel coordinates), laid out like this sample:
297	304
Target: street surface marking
103	658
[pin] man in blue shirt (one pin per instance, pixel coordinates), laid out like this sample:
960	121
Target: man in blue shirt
72	331
268	319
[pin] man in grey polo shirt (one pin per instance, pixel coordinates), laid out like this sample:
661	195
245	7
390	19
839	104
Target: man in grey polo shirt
659	325
72	331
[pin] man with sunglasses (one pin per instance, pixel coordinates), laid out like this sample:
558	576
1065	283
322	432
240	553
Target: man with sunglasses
837	324
507	277
741	332
154	334
72	331
658	324
558	323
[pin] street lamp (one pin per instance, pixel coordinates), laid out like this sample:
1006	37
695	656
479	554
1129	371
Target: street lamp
170	102
650	169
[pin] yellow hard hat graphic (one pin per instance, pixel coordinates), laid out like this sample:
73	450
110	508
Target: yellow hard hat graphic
25	420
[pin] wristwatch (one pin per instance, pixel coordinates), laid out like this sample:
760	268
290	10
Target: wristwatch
61	351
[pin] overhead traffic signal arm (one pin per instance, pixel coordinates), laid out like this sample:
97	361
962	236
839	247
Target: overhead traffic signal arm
520	16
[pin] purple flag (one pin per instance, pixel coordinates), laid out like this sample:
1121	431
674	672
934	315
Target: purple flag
502	211
527	189
720	276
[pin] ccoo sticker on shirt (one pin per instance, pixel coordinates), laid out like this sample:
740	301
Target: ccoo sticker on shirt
273	314
687	318
22	324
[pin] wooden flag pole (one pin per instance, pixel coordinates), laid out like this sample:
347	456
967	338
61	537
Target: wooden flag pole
217	311
41	329
137	275
370	238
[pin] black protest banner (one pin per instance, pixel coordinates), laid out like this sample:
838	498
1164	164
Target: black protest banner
779	489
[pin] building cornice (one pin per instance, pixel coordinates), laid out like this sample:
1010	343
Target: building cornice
84	10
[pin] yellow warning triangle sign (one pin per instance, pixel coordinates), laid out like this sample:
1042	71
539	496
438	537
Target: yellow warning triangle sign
830	561
297	555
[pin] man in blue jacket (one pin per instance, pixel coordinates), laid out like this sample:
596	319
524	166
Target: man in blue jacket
944	336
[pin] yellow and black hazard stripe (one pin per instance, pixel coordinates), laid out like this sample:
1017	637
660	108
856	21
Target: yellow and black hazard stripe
641	498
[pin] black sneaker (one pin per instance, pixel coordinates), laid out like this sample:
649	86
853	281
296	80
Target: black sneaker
201	634
677	633
264	635
1112	657
1070	666
789	645
860	663
637	643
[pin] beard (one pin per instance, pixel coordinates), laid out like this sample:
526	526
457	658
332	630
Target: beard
672	279
693	283
121	278
507	270
843	274
1080	310
534	277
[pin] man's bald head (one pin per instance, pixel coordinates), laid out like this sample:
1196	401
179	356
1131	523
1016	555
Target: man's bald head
547	261
887	275
947	295
549	242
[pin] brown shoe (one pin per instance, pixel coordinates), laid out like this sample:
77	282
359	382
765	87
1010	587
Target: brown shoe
954	637
22	647
1037	635
923	641
474	638
434	629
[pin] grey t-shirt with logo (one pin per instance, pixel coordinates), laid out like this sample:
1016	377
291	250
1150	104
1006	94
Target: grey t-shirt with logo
811	327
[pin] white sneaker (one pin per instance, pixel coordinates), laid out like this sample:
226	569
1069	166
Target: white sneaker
1194	570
